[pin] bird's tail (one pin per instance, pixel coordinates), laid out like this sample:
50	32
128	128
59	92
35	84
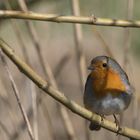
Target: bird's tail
94	126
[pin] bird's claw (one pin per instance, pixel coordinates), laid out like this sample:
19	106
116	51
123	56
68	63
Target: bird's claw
102	117
117	124
119	129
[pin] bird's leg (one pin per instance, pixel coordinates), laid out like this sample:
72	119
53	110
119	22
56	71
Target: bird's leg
116	120
102	117
117	124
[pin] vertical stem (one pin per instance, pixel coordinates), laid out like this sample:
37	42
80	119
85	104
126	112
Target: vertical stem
128	38
80	57
127	44
78	35
126	62
105	45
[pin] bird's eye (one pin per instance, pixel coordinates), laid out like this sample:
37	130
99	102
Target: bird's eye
104	65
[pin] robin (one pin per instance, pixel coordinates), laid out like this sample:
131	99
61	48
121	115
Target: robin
107	89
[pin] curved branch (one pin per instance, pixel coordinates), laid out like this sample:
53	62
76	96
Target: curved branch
60	97
69	19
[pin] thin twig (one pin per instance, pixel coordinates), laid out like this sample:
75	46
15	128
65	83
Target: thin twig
16	92
78	45
5	14
60	97
105	45
127	39
22	126
80	57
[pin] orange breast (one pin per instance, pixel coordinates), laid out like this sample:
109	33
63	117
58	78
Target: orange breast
114	81
111	82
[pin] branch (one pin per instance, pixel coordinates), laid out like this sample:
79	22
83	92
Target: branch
60	97
69	19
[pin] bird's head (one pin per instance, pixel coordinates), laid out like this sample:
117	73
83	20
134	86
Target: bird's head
99	66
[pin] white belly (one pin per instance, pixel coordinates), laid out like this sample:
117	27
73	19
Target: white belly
108	105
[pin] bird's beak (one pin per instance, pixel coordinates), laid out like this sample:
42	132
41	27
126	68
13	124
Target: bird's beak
90	67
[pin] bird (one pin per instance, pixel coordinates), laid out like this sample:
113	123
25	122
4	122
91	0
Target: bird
107	89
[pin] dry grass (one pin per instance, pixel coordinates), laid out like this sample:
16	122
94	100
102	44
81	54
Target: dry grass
56	41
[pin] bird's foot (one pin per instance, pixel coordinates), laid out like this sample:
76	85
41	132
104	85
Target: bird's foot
117	124
102	117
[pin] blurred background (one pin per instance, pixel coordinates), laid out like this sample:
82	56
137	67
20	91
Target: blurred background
60	53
